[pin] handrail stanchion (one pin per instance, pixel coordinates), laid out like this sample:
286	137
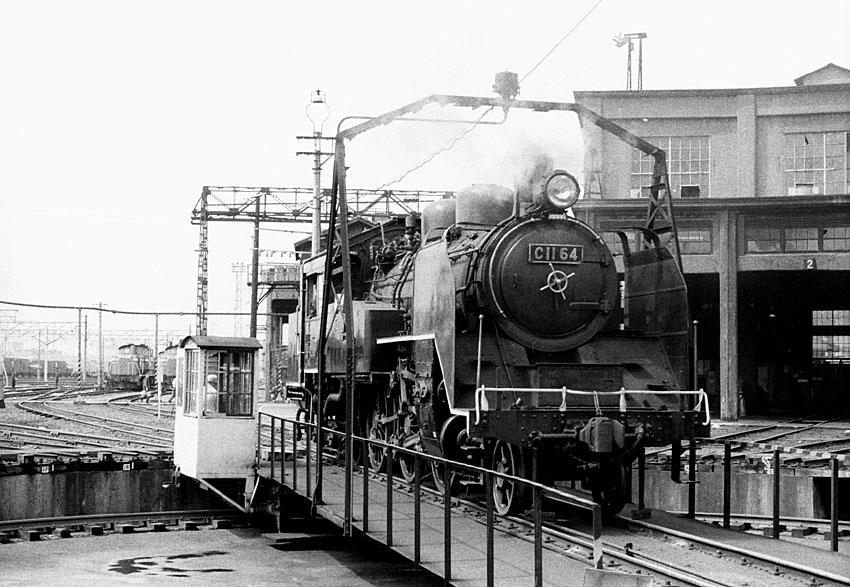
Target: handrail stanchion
538	522
389	496
727	483
776	493
417	508
833	506
271	451
597	536
692	478
488	489
259	440
365	485
447	521
538	536
307	456
294	456
642	479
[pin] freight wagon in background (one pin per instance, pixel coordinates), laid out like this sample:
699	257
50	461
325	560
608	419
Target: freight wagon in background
34	368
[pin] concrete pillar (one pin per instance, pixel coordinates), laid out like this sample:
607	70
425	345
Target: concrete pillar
746	142
728	266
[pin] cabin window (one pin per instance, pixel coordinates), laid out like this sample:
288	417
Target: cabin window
228	383
189	393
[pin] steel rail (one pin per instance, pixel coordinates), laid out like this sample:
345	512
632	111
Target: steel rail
90	519
97	425
760	556
59	432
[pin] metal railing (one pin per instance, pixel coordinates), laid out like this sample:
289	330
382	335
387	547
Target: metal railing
298	429
728	446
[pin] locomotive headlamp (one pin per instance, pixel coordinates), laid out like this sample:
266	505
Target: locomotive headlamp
560	192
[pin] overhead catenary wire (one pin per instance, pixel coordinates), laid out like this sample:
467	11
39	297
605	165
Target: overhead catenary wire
125	312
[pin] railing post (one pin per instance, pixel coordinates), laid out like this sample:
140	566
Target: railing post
538	537
692	478
294	456
538	523
308	456
447	521
641	478
597	536
365	485
389	496
417	508
259	438
776	493
271	452
833	506
727	483
488	489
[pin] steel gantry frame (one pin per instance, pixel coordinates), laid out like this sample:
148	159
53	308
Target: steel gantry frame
284	205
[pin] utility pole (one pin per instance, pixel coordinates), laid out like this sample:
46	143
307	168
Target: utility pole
628	39
318	112
85	345
239	273
100	345
79	348
255	269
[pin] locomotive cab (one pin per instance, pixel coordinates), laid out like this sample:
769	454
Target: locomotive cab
215	418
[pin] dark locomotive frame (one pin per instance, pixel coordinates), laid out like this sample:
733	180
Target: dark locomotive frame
373	359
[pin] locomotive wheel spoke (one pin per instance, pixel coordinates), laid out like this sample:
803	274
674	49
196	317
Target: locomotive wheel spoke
437	475
506	493
609	489
377	454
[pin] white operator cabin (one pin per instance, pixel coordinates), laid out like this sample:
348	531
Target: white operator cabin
215	423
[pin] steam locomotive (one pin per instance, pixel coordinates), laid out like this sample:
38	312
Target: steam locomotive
493	332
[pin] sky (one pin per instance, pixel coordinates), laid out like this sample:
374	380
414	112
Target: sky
114	115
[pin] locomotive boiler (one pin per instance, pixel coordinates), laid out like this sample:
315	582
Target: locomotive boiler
493	331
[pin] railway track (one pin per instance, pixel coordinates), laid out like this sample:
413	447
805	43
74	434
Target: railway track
119	523
87	426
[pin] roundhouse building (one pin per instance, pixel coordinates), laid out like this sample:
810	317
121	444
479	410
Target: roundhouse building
760	179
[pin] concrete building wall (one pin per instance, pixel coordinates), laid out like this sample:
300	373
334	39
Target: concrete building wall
747	130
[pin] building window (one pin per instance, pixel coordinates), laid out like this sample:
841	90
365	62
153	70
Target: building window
831	343
836	238
798	239
831	348
831	318
688	161
817	163
695	241
801	239
694	238
615	244
764	240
